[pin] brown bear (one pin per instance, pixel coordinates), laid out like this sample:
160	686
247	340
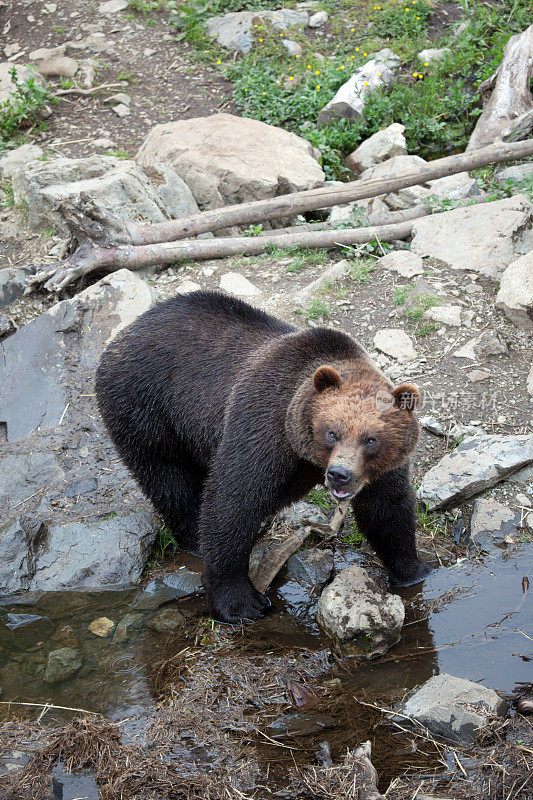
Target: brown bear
225	414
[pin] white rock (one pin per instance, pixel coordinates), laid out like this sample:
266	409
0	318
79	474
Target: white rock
293	48
234	30
382	145
449	315
122	110
62	66
454	187
332	273
434	54
394	168
354	609
349	101
476	464
403	262
395	343
484	238
226	159
44	53
120	97
188	286
452	707
517	173
239	285
318	19
19	157
530	381
113	6
515	296
432	425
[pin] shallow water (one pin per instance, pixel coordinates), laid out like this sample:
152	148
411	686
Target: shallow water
472	620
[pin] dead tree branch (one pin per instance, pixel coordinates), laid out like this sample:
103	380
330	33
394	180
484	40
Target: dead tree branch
88	258
509	111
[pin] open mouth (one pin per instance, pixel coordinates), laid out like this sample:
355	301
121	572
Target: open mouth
339	494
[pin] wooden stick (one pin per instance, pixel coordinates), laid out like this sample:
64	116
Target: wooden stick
89	258
284	205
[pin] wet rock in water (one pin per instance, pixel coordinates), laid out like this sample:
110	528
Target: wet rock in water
332	273
300	514
73	785
300	724
353	609
271	161
181	583
123	187
403	262
452	707
515	295
382	145
128	627
395	343
62	664
19	157
349	101
166	620
234	30
25	630
102	626
491	523
312	568
484	238
476	464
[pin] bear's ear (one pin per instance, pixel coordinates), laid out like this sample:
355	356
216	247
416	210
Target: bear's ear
326	378
406	396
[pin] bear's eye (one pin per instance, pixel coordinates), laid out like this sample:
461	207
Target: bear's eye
371	442
333	436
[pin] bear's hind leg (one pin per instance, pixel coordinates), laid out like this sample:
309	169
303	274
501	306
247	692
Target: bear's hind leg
175	492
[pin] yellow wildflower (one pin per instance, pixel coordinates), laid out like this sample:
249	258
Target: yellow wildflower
426	63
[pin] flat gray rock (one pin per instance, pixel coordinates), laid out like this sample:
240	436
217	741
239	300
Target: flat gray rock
452	707
234	30
180	583
62	664
312	568
491	522
474	465
484	238
19	157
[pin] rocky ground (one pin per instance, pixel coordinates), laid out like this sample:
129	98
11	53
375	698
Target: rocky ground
449	308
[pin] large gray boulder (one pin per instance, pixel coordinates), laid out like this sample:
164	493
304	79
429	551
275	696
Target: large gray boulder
484	238
154	194
226	159
350	100
234	30
19	157
452	707
71	515
476	464
354	610
515	295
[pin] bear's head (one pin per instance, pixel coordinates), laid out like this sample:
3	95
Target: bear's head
360	427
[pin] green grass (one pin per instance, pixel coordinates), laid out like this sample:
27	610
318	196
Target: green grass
438	103
118	153
23	107
420	304
351	534
431	524
317	309
400	295
320	497
164	545
9	199
361	271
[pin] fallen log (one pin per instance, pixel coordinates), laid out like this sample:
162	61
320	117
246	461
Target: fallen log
88	258
85	219
508	113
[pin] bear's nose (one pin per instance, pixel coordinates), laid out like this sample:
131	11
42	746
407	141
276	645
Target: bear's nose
339	475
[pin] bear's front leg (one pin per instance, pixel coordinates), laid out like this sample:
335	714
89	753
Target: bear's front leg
385	514
241	492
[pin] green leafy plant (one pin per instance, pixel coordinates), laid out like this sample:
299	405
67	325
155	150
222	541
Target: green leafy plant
24	105
165	544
